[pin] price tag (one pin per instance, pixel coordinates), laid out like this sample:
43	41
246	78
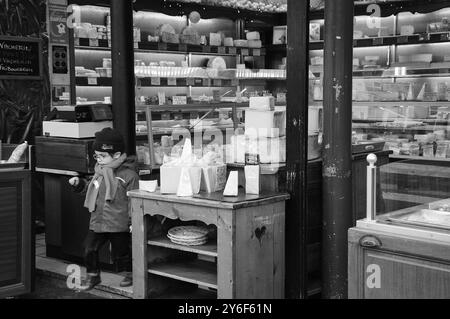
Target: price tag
93	42
109	43
221	50
76	42
256	52
179	100
402	39
172	81
378	41
155	81
190	81
217	82
232	50
92	81
244	52
444	37
355	43
136	45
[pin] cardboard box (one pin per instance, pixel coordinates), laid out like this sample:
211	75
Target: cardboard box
72	129
214	178
265	123
270	150
170	177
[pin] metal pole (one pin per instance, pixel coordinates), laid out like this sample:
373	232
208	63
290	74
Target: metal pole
337	160
123	81
296	148
371	208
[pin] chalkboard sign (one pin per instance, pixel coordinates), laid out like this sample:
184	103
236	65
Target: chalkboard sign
20	58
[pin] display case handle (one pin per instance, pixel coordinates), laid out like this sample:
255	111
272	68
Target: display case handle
371	208
370	242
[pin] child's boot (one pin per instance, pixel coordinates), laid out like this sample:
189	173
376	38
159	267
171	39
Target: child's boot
127	280
91	281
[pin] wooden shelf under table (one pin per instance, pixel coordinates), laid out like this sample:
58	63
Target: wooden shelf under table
208	249
197	272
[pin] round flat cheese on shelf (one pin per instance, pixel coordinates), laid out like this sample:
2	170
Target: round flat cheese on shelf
217	63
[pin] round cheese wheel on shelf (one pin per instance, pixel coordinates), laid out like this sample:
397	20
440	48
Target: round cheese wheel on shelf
217	63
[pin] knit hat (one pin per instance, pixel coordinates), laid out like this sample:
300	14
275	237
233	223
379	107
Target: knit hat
109	140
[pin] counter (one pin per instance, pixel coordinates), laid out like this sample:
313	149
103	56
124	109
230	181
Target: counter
16	232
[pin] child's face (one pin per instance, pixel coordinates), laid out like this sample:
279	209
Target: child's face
104	158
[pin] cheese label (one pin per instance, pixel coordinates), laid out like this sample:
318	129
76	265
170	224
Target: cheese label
155	81
172	81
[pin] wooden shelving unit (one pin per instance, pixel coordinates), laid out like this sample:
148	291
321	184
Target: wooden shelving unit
196	272
208	249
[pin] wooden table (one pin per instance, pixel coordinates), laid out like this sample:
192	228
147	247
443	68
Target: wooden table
246	260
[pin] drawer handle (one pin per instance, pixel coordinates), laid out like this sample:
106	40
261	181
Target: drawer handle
370	242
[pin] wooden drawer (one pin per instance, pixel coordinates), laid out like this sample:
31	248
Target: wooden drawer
65	154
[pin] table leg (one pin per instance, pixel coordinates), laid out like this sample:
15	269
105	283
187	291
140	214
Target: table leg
225	260
139	249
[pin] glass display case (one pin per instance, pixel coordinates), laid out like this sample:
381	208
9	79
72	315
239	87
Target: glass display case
400	83
401	249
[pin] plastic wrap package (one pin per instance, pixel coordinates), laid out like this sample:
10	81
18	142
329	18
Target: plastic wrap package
172	168
214	172
206	168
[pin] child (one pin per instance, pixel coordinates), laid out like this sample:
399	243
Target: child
107	201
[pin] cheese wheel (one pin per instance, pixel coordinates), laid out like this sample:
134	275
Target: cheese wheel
164	28
189	31
217	63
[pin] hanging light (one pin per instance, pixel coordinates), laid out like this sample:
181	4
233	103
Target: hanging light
194	17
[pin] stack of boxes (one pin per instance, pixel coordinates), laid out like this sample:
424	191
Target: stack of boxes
264	140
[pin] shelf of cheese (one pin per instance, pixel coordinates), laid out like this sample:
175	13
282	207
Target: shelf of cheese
423	38
384	126
420	70
150	47
208	73
191	107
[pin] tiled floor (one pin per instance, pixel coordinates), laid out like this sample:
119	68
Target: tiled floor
58	270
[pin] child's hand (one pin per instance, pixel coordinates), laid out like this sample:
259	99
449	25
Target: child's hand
74	181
